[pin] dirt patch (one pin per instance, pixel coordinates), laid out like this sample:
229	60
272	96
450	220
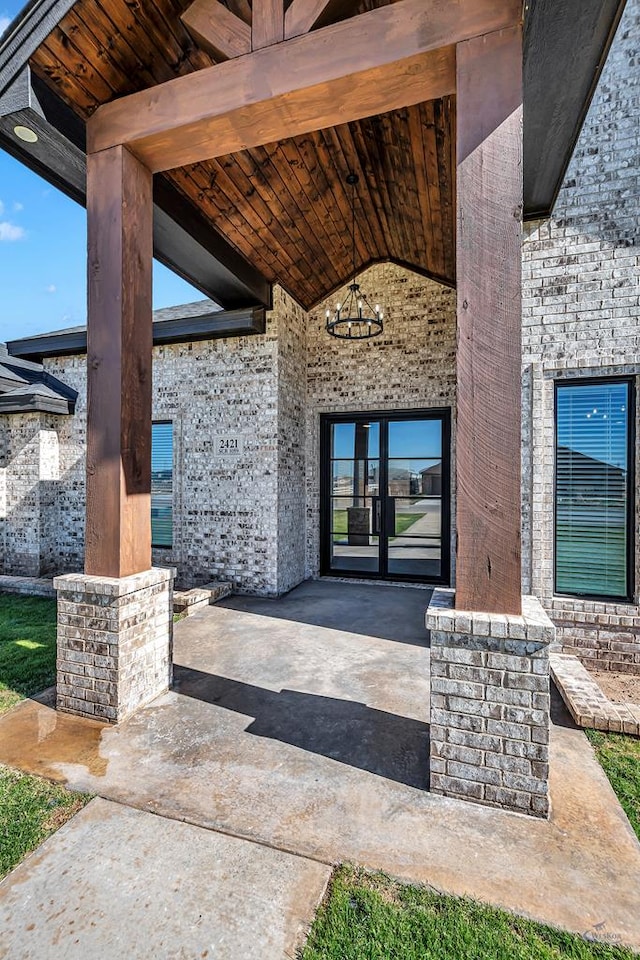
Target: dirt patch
618	687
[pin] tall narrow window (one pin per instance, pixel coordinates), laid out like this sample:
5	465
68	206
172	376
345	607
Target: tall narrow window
593	515
162	484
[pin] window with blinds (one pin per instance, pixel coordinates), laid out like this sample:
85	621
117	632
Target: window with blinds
162	484
593	518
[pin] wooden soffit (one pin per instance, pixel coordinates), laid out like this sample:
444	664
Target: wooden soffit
282	205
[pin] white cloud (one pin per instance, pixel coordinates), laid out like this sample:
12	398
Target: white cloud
1	208
10	231
51	288
4	23
18	207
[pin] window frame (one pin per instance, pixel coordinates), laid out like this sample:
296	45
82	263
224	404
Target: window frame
630	381
156	423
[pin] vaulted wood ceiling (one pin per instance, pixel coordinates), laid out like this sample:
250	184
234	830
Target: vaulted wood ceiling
284	206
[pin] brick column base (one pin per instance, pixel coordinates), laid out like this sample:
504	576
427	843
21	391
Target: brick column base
115	639
490	705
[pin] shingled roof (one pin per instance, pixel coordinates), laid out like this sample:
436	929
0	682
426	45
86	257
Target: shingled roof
25	387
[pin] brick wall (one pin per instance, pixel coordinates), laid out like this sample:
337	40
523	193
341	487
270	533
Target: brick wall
29	472
581	317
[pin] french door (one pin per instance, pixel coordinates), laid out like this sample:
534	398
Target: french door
385	495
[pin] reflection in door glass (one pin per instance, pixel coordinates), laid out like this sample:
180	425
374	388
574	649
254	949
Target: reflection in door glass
413	503
351	441
383	497
354	497
415	438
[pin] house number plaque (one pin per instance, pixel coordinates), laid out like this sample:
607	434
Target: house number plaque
225	446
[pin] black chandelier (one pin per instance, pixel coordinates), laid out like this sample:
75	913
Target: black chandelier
354	318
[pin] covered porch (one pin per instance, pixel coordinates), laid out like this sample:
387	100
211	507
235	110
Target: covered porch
253	118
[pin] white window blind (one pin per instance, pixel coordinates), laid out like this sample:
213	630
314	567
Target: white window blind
162	484
593	489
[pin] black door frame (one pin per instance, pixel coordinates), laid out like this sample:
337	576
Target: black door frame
326	420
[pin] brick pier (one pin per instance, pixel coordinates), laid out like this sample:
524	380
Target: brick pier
490	705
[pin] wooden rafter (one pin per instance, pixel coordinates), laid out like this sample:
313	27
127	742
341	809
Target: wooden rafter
217	29
399	55
267	24
302	16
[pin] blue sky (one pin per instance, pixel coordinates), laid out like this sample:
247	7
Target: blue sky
43	250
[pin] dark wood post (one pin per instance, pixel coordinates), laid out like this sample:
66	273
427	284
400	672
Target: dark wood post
489	264
120	340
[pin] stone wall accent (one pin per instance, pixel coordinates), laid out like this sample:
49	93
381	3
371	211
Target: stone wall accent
490	705
411	365
115	639
29	474
581	318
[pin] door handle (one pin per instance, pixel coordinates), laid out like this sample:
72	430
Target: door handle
377	513
391	516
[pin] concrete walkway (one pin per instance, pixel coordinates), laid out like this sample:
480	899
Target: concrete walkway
291	727
119	884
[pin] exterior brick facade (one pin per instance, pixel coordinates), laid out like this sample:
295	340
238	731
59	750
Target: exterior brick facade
581	318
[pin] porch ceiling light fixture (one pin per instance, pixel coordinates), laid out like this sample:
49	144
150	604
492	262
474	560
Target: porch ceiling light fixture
354	318
26	134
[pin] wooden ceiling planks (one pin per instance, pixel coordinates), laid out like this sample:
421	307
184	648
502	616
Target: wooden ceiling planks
284	206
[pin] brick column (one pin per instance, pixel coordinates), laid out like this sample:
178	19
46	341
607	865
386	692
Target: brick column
115	638
490	705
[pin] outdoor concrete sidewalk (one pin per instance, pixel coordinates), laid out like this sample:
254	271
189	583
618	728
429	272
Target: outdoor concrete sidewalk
314	740
119	884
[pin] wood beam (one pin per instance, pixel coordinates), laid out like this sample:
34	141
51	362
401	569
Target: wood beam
119	346
217	29
302	16
267	23
398	55
489	265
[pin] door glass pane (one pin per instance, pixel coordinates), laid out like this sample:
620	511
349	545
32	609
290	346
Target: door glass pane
354	525
357	478
414	556
417	517
354	510
592	488
413	501
415	438
408	478
350	441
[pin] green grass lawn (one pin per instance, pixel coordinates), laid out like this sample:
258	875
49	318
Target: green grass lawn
30	808
27	647
403	521
370	917
619	756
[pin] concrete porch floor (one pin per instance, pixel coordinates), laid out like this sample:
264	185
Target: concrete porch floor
302	724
